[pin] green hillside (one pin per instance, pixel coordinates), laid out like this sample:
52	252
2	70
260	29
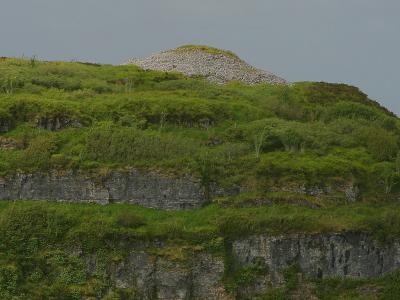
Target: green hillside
269	140
253	136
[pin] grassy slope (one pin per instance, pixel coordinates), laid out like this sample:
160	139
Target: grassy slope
258	137
310	133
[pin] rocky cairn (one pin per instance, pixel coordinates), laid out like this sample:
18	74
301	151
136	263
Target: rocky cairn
218	66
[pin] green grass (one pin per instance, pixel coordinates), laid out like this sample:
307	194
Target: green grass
197	226
207	49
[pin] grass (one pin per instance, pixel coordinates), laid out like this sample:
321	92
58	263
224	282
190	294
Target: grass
207	49
198	226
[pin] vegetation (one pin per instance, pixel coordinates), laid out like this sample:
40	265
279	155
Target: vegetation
39	241
275	141
89	116
207	49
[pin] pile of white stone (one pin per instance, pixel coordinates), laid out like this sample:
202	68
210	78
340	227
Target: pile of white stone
216	67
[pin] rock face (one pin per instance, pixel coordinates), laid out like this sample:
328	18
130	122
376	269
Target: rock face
219	67
354	255
57	123
200	275
130	186
156	277
5	126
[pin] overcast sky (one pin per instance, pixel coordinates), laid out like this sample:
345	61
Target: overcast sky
351	41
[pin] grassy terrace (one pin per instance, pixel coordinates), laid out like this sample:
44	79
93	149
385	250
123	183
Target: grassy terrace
199	227
37	239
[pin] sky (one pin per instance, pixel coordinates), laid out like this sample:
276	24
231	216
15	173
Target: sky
349	41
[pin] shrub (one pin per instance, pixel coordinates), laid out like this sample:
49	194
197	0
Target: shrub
111	143
383	145
39	152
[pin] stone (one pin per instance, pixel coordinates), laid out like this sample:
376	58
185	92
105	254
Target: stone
216	67
125	186
56	123
199	275
353	255
158	277
9	143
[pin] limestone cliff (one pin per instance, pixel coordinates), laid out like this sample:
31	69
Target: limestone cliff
149	273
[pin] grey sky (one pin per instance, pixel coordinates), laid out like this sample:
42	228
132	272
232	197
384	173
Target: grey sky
351	41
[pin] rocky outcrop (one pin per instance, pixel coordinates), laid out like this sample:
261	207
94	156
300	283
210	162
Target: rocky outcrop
5	126
354	255
149	272
217	66
128	186
57	123
9	143
157	277
348	190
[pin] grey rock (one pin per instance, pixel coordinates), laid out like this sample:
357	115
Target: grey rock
354	255
125	186
56	123
158	277
5	126
349	190
218	68
199	275
8	143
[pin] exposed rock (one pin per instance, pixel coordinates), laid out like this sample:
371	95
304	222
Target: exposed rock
200	275
219	67
354	255
54	124
8	144
347	189
157	277
5	126
129	186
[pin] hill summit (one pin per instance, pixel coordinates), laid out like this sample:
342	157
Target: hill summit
217	65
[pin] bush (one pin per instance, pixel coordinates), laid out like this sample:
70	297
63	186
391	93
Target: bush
383	145
39	152
111	143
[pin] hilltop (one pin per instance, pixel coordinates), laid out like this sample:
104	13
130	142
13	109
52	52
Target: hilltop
217	65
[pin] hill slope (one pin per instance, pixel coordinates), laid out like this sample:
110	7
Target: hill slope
292	183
